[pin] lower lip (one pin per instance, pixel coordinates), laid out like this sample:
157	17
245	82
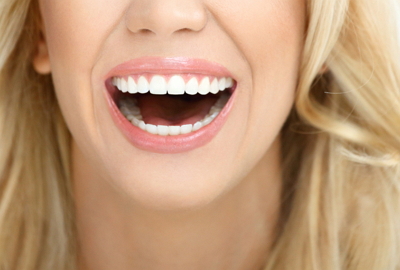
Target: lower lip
167	144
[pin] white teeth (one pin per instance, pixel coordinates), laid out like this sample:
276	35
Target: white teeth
131	111
174	130
142	125
151	129
130	117
192	87
197	126
124	86
214	114
176	85
143	85
136	122
163	130
158	85
185	129
132	87
229	83
206	121
221	84
214	86
204	87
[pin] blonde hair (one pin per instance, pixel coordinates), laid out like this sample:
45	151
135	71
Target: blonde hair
341	147
36	218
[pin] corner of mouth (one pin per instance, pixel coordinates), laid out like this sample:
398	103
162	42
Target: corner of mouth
170	105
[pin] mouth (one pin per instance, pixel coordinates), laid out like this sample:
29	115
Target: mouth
176	109
171	105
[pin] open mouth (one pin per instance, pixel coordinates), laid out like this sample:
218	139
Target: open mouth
171	105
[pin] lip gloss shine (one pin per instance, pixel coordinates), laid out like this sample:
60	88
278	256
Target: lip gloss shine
166	66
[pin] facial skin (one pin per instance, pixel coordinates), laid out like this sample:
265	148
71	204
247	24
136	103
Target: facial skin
194	203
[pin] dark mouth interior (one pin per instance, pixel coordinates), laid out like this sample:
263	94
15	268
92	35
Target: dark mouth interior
171	110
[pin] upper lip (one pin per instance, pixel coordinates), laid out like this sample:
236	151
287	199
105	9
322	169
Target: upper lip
168	65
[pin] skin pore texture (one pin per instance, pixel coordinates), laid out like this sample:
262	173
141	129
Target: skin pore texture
212	207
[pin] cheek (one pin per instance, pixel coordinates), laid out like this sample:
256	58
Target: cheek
74	31
264	30
270	35
74	35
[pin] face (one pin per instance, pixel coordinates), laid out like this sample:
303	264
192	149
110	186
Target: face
215	81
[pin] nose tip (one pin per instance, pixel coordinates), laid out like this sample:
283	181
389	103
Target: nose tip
165	17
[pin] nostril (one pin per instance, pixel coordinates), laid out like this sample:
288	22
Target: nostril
184	30
145	31
164	18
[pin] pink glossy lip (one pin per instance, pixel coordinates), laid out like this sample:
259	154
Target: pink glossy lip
173	65
164	66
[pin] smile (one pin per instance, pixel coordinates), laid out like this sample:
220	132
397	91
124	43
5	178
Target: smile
162	106
181	104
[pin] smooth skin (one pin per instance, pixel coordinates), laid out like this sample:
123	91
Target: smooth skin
215	207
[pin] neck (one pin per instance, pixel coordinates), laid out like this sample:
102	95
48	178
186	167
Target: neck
233	232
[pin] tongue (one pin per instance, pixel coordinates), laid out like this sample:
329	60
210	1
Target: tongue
171	110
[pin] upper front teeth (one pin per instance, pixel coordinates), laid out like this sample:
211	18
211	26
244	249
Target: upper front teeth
176	85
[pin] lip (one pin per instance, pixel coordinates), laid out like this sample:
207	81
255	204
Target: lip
169	65
165	66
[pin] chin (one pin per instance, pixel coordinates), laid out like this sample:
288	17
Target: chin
174	192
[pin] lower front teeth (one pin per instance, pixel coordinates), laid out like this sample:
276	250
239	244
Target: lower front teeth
131	111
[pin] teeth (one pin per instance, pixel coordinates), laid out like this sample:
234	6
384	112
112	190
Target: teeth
163	130
142	125
197	126
229	83
204	87
158	85
131	111
222	84
124	86
214	109
143	85
214	86
185	129
206	121
119	83
125	111
174	130
192	87
132	87
136	122
176	85
151	129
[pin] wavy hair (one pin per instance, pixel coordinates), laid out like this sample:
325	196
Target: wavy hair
341	147
36	213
